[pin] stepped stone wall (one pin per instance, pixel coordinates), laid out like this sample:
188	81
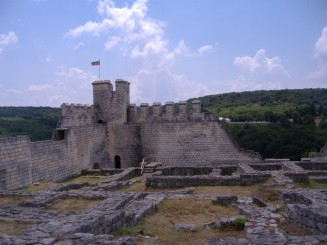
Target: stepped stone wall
189	143
113	133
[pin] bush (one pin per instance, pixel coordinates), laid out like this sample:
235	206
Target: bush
240	223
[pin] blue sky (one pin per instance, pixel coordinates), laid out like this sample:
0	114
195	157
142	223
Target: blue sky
168	50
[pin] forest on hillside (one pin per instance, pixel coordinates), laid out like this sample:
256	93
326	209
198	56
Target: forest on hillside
37	122
298	117
298	120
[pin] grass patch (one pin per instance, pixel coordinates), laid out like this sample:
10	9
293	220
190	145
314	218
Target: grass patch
159	227
39	187
228	190
138	186
11	200
311	184
73	204
89	179
12	228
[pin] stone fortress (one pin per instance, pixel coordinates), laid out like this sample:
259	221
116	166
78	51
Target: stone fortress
112	133
194	149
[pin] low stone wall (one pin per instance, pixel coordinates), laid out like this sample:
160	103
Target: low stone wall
266	166
307	208
103	171
185	171
312	165
172	177
294	172
202	180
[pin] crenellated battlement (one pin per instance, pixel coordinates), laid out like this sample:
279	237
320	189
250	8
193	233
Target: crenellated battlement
76	115
170	112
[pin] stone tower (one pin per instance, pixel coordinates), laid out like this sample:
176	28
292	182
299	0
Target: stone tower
111	105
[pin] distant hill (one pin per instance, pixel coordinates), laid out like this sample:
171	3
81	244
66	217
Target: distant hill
299	120
268	105
37	122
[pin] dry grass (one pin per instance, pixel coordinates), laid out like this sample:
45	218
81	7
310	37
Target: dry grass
11	200
140	187
267	194
89	179
291	229
160	229
11	228
39	187
73	204
263	191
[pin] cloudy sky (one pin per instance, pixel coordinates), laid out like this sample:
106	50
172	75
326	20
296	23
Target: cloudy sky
168	50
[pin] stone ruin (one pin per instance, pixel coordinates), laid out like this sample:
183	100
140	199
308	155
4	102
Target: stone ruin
166	147
112	133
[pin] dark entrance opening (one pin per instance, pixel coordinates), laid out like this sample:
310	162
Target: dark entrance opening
96	166
117	162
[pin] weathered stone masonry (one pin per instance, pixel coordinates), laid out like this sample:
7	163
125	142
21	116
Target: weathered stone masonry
113	134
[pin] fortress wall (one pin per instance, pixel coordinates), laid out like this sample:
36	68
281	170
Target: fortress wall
76	115
124	141
23	162
59	160
190	143
15	158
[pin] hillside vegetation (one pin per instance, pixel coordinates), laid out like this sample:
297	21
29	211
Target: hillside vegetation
299	120
37	122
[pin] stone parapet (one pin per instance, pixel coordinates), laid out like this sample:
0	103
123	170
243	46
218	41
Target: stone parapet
171	112
76	115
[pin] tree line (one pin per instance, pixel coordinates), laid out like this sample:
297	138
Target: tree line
298	117
37	122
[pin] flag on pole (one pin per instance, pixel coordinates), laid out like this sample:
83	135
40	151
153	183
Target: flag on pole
95	63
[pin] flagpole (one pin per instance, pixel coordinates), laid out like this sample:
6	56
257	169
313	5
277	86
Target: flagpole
99	71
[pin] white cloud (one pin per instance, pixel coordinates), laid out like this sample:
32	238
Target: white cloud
112	42
142	41
259	62
243	83
320	55
321	45
79	45
72	85
7	39
39	88
205	49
